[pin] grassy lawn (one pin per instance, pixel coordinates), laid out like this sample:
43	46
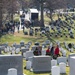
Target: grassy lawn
17	37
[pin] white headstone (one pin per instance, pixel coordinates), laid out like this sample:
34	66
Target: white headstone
43	52
24	54
47	42
64	53
62	67
41	64
29	54
72	65
28	65
13	51
70	55
17	50
55	70
11	61
53	63
22	43
12	71
62	59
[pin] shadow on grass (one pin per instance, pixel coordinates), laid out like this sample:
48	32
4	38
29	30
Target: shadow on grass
48	73
60	74
63	74
49	37
42	72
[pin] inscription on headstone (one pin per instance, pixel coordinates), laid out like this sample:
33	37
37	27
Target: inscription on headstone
11	61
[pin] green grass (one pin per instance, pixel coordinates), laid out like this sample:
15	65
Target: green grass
17	37
16	17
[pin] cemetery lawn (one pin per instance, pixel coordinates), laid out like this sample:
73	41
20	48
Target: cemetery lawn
17	37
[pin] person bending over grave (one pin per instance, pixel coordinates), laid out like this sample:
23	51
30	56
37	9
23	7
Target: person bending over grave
37	51
56	52
48	51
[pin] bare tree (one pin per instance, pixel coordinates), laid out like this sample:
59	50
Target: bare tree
39	4
24	3
71	3
55	4
11	7
1	3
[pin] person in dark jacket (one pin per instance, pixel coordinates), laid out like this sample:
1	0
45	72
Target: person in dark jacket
52	51
36	52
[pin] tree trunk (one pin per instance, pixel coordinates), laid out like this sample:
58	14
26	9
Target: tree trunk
0	14
12	16
51	15
42	17
0	17
12	11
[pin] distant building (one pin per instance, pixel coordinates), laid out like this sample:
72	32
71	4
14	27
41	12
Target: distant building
33	14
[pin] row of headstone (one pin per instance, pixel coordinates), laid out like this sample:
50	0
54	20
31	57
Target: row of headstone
72	63
58	28
69	47
57	70
44	65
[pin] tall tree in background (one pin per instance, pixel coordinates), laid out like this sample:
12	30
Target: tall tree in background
11	7
7	7
1	7
55	4
38	4
42	16
24	4
71	3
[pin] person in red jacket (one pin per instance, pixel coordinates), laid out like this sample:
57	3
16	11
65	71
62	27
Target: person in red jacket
56	52
48	51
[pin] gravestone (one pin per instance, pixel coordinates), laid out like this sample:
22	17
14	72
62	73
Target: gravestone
29	54
31	32
71	35
37	44
12	71
17	46
72	67
23	50
47	42
27	46
43	65
11	61
55	70
0	49
33	48
62	67
22	43
43	45
70	55
61	59
25	33
47	29
30	43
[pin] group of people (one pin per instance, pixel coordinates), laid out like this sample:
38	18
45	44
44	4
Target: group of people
53	51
